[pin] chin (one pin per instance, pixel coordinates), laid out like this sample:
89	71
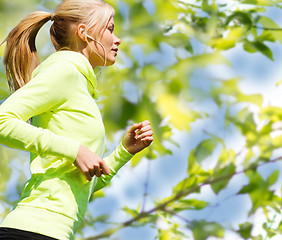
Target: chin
110	62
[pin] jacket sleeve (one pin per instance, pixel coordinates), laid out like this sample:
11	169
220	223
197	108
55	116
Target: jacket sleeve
47	90
119	157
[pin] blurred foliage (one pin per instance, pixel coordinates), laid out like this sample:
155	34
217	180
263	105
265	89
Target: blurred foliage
150	83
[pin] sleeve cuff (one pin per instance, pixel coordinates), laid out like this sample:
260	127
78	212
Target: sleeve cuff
125	153
118	158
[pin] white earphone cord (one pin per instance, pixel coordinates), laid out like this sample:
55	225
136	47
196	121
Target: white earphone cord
98	53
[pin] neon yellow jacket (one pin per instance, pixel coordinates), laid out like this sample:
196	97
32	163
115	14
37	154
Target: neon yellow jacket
60	98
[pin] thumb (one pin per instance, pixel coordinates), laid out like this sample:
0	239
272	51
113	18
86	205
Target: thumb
134	127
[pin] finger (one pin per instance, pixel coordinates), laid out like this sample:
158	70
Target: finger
97	171
144	129
91	172
147	140
134	127
145	123
105	169
88	177
145	134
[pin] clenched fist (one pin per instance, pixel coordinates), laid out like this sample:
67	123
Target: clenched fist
138	137
90	164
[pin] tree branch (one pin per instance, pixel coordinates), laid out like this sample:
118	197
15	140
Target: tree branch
267	28
178	196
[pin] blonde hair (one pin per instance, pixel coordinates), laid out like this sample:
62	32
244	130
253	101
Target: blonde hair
21	56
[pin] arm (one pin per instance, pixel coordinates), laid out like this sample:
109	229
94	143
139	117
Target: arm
47	90
137	137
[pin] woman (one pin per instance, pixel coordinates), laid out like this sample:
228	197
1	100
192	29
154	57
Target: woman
67	139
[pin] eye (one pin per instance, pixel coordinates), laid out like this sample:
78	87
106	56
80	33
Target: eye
111	29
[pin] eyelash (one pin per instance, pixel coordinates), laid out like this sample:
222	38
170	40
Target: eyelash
111	30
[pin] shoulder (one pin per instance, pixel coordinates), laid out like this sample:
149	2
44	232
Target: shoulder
57	72
64	71
55	66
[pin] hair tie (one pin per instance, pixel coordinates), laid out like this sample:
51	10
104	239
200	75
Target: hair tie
52	15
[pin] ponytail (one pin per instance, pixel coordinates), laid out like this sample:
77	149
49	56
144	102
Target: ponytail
21	56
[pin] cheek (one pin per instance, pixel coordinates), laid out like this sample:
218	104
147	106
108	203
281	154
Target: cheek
108	41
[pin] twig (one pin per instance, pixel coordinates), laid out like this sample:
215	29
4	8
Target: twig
178	196
267	28
146	187
171	212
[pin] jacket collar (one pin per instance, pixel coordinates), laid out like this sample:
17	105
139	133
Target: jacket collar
84	66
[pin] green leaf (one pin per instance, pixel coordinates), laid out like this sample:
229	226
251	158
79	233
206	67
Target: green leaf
267	22
245	230
171	233
242	17
256	99
259	2
172	107
203	230
205	149
205	6
270	232
186	183
230	88
248	188
132	212
271	113
249	47
249	157
226	156
188	204
259	237
280	227
209	8
266	36
265	50
234	36
255	46
273	177
225	172
164	235
166	10
150	219
193	165
258	191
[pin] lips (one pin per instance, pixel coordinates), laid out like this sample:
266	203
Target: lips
115	50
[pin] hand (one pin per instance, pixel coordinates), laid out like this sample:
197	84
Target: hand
138	137
90	164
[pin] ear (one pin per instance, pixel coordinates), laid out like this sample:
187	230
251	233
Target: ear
81	31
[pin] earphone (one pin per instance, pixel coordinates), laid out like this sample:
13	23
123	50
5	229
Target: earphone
86	35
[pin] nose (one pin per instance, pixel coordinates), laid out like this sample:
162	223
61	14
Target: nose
117	41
